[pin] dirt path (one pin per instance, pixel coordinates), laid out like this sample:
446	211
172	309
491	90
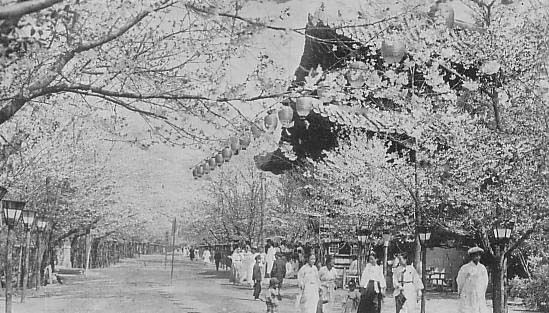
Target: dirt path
143	286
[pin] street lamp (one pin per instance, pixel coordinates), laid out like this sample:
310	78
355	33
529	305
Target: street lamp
41	225
11	211
424	236
386	236
28	221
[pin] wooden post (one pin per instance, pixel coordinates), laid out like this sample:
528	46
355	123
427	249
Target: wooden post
173	246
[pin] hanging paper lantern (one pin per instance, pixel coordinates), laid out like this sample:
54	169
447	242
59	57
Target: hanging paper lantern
235	145
393	51
205	168
303	106
199	170
227	154
244	141
285	115
271	121
212	163
195	173
219	159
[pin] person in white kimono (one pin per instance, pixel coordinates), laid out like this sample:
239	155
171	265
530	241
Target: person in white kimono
236	263
472	281
270	258
328	276
309	286
407	281
206	256
373	286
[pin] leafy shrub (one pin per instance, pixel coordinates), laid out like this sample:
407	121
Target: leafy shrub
538	288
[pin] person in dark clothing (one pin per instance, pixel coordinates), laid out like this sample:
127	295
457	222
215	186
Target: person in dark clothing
217	259
191	254
256	277
279	271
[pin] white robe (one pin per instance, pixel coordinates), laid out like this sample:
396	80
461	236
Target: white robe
328	284
407	280
309	285
270	259
206	256
472	281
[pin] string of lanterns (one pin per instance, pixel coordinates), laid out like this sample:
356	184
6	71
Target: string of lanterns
303	106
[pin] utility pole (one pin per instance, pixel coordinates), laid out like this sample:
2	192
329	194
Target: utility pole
174	225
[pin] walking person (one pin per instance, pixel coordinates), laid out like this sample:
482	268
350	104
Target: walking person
373	286
407	282
352	299
206	256
217	258
279	271
309	286
328	276
256	277
191	254
472	281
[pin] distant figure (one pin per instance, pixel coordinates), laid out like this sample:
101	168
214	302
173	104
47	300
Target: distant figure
191	254
472	281
407	282
353	268
279	271
217	258
352	299
328	276
271	299
373	283
270	259
206	256
256	277
309	286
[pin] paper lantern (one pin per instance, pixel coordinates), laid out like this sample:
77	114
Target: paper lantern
303	106
205	168
271	122
393	51
235	145
227	153
212	163
244	141
199	171
285	115
219	159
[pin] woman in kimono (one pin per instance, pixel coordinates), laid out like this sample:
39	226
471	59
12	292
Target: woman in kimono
236	262
372	282
309	286
270	258
406	280
328	275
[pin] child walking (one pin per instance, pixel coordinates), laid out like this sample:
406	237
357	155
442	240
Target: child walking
256	277
352	300
272	296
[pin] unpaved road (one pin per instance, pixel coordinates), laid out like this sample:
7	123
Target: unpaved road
143	285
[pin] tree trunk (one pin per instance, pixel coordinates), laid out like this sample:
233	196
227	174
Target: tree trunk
499	271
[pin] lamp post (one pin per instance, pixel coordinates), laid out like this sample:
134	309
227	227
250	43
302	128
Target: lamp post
28	221
424	236
11	211
502	235
41	226
386	239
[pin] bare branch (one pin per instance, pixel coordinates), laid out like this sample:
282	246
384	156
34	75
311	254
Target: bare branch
26	7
